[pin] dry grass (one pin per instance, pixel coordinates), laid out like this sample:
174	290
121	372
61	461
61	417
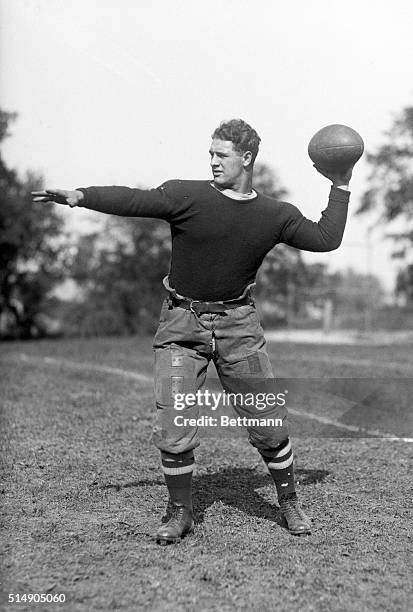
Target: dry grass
83	494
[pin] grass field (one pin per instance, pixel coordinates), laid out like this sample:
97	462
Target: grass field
83	493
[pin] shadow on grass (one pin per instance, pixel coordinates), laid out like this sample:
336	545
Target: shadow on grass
236	487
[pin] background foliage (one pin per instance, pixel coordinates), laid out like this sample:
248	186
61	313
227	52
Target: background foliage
117	271
31	251
390	194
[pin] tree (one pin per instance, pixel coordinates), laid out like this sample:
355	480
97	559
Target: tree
356	292
404	284
390	192
30	250
119	272
267	181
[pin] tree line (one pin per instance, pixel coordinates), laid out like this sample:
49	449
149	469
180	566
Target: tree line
118	270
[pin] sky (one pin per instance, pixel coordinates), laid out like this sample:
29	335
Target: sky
128	92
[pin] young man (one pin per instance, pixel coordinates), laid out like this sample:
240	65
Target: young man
221	231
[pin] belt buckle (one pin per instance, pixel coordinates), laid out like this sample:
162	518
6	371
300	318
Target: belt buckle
191	307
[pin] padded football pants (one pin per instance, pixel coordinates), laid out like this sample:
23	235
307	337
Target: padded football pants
184	345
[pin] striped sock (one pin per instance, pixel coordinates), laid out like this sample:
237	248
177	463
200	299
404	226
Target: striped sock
280	465
178	470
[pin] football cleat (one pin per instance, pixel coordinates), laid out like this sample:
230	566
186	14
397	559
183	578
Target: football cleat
297	521
180	524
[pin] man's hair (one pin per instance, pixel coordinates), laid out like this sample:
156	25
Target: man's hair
242	135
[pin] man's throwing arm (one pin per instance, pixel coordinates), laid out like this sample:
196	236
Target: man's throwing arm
326	234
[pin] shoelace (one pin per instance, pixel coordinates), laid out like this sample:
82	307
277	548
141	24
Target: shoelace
291	509
177	515
290	505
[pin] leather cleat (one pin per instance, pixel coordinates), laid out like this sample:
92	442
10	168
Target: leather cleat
180	524
297	521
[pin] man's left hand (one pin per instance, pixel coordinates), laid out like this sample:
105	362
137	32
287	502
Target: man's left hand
339	178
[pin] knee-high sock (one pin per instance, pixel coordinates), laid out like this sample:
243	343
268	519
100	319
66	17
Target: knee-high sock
280	464
178	470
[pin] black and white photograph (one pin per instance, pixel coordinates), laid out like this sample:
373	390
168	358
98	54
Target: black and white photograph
206	305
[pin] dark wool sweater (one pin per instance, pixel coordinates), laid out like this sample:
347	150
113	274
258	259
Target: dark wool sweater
219	243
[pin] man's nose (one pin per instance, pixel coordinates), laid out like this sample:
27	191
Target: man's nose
214	161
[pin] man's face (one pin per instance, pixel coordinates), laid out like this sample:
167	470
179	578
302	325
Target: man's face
227	164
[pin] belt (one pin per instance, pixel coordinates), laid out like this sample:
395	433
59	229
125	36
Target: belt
199	307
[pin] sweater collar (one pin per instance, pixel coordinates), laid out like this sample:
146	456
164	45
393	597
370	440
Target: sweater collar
235	195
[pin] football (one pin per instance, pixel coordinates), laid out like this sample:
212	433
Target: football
336	147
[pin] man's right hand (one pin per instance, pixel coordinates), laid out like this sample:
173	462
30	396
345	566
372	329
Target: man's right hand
60	196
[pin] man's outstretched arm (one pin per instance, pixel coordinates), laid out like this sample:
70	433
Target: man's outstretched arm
157	203
327	233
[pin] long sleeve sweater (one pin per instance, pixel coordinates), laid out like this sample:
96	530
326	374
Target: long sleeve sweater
219	243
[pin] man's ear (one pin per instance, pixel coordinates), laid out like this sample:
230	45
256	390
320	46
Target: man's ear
246	158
